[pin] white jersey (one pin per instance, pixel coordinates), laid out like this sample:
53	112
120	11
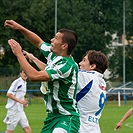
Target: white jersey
18	89
91	95
15	114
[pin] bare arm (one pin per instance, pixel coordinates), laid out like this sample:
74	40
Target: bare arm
31	72
31	37
35	60
24	102
127	115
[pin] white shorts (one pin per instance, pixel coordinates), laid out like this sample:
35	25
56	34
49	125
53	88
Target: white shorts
89	128
14	118
59	130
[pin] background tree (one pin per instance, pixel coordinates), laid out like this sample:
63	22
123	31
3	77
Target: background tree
91	19
116	59
94	21
116	65
36	15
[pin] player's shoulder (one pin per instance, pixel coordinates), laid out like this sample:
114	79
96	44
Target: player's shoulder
65	60
44	43
88	75
84	72
15	80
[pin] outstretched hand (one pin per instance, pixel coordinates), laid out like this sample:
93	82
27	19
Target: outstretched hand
29	56
118	125
15	46
12	24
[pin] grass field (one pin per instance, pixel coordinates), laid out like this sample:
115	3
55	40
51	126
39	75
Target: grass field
111	115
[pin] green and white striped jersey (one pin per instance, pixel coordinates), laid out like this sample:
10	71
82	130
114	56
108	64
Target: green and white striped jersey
61	90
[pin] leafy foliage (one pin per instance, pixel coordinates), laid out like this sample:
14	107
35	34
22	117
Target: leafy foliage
117	64
93	20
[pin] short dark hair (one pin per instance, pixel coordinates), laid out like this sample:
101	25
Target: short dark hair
99	59
69	37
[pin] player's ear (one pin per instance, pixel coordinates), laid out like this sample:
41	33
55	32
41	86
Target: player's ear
65	46
93	66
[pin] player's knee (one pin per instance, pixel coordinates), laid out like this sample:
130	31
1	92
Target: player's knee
59	130
27	129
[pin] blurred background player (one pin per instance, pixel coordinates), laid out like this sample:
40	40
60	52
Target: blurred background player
126	116
91	90
16	104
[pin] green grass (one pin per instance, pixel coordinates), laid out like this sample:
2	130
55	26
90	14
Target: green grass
35	112
111	115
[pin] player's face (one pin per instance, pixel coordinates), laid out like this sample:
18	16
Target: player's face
23	75
85	64
56	44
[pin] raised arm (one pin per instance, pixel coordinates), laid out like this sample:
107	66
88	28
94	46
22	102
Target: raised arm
30	71
35	60
29	35
127	115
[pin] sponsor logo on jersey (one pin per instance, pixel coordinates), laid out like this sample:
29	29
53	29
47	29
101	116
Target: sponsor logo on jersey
93	119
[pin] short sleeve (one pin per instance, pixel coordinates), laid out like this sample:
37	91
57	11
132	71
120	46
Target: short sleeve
60	70
45	49
13	88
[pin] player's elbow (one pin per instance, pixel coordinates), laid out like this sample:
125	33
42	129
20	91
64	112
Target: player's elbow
35	77
32	78
32	75
8	95
38	76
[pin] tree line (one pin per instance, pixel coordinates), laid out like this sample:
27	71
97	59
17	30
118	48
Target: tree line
93	20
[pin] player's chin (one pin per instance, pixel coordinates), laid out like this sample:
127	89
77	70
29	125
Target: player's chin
51	48
81	68
25	78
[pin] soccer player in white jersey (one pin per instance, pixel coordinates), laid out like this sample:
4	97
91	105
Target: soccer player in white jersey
16	101
61	73
91	91
90	78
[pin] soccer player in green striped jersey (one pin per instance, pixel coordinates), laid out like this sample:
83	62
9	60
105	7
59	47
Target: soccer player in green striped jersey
61	74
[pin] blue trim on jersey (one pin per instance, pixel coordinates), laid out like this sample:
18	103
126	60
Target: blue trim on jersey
19	87
84	91
86	71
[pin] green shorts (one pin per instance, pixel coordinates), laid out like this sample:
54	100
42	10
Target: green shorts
69	123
